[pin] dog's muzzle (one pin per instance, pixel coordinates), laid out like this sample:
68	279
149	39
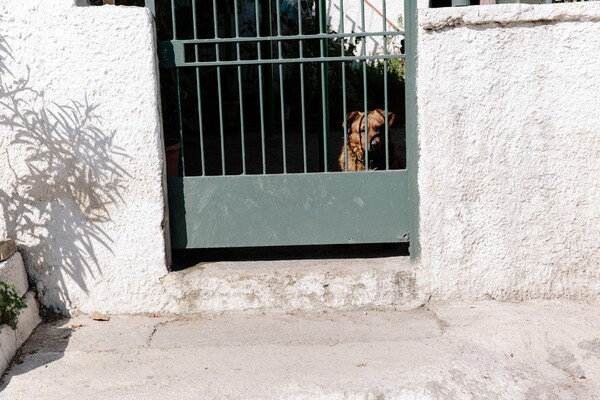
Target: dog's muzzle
374	145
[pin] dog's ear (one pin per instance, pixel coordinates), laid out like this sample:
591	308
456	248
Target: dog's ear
391	116
350	118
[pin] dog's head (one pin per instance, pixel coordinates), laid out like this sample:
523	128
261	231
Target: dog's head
374	139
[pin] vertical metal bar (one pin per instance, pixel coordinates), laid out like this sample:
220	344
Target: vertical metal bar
178	85
385	88
324	84
198	92
262	120
365	92
412	155
219	89
195	22
180	122
267	14
279	45
344	104
240	91
200	124
260	91
302	94
281	93
366	111
151	5
173	19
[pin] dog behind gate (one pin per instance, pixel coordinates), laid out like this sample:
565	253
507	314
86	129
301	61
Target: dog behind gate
375	142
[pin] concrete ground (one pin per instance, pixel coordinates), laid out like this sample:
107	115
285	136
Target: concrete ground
465	351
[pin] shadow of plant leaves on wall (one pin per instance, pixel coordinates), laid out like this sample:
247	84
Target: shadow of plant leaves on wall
65	180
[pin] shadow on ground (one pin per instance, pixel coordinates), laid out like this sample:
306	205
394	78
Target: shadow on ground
46	345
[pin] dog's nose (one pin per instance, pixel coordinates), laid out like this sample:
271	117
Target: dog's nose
374	144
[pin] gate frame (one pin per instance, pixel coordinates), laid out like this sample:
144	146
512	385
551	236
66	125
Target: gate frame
412	146
412	138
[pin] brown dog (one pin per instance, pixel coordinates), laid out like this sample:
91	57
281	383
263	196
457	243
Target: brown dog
375	141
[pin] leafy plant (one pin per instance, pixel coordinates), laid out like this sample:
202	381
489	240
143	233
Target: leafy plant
10	305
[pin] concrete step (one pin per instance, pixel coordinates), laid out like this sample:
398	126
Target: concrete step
341	284
11	340
12	271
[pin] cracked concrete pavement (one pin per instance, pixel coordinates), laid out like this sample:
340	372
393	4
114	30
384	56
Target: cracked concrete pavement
482	350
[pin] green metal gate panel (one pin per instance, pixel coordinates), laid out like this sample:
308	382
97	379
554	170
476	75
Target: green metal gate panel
259	95
244	211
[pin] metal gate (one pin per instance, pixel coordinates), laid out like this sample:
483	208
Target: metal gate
286	121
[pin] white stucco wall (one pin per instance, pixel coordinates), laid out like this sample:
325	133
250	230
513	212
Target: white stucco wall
373	22
509	173
509	134
81	181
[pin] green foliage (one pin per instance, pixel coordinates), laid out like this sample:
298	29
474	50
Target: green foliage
10	305
395	69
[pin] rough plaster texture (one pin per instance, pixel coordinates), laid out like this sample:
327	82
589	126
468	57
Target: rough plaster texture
509	171
12	271
509	134
81	172
11	340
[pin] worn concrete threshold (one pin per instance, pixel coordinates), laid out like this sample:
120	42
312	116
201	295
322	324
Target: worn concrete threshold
288	285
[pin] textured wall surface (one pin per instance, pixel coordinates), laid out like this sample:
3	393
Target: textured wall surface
509	172
373	21
81	181
510	151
